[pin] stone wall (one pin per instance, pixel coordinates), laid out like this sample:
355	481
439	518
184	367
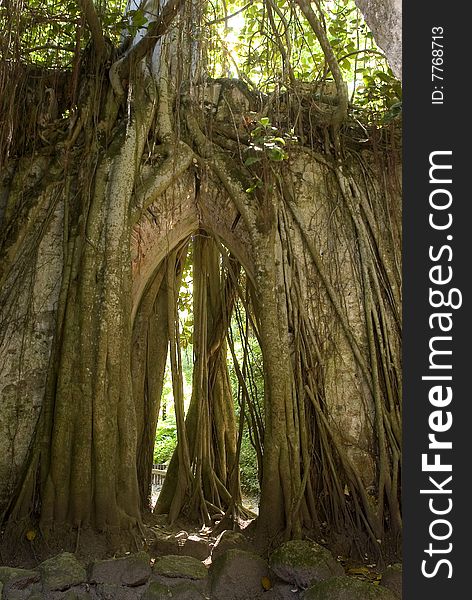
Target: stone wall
295	570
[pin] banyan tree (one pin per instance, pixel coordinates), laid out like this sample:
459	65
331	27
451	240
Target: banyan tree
133	136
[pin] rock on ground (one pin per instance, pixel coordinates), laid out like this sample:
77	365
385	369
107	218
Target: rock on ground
237	575
166	544
197	547
302	563
83	592
11	593
110	591
281	591
181	591
157	591
132	570
234	575
13	573
13	580
228	540
346	588
172	571
61	572
184	567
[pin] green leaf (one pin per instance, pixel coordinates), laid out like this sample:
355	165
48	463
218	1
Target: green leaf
251	160
383	76
277	154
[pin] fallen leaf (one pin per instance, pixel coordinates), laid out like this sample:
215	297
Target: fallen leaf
266	584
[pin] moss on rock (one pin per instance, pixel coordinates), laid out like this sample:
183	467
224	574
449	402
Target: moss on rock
157	591
62	572
237	575
302	562
132	570
185	567
346	588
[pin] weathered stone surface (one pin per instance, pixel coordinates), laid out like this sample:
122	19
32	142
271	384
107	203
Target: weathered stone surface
346	588
228	540
197	547
237	575
11	593
392	579
166	544
61	572
18	584
132	570
174	571
109	591
157	591
77	594
81	592
182	567
281	591
186	590
21	575
302	562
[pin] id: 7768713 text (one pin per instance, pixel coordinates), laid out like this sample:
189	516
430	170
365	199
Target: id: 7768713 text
437	64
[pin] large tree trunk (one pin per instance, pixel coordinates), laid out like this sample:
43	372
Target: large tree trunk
384	18
86	445
281	463
84	454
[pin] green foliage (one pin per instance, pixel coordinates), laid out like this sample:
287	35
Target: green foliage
248	467
381	90
267	144
254	376
249	45
49	33
267	43
136	20
166	440
185	303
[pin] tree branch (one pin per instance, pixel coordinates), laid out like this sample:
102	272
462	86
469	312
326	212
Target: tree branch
155	30
228	17
216	160
88	9
178	158
320	33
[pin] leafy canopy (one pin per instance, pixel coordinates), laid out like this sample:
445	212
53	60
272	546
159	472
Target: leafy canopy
267	43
